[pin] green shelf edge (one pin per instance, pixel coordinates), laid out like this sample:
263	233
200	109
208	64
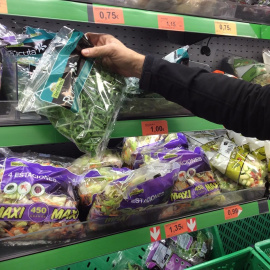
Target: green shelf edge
47	134
106	245
74	11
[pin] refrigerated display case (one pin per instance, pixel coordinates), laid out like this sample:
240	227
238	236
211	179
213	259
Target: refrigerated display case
144	36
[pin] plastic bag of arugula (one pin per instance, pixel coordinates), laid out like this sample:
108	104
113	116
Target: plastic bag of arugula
77	95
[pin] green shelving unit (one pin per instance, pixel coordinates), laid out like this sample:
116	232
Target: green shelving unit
120	241
73	11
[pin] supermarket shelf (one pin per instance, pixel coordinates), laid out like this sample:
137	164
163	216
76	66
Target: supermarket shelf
105	245
47	134
73	11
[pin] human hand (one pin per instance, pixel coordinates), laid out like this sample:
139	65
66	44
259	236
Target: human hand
115	55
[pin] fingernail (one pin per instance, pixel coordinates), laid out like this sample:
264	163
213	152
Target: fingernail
85	52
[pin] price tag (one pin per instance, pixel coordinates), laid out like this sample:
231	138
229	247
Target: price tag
108	15
3	6
232	211
225	28
154	127
175	228
171	23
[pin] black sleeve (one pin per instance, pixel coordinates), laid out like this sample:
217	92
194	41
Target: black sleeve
238	105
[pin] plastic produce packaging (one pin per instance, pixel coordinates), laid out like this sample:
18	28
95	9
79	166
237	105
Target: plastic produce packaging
77	95
87	162
143	188
138	151
180	252
36	196
195	178
238	139
29	52
95	181
257	148
239	165
123	262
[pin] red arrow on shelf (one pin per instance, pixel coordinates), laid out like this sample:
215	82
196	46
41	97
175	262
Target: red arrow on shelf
192	225
155	234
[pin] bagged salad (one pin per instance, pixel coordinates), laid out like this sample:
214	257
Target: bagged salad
143	188
83	164
195	178
95	181
180	252
239	165
75	93
35	196
138	151
126	262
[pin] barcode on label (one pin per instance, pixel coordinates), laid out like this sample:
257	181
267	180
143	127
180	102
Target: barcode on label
229	149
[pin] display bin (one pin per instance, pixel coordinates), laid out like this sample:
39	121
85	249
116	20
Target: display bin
263	248
137	255
246	259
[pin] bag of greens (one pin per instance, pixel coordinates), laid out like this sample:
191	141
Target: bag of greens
75	93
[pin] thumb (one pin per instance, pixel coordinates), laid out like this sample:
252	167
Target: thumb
100	51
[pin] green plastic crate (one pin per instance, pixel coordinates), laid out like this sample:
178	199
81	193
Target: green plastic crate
263	248
136	254
243	233
246	259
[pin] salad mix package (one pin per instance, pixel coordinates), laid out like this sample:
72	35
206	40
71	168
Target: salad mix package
239	165
138	151
75	93
35	196
180	252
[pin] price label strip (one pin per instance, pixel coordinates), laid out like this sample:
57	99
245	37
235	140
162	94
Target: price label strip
154	127
232	211
3	7
167	22
225	28
108	15
175	228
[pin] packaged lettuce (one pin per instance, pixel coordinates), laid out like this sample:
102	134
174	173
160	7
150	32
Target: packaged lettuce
75	93
35	197
238	139
145	187
267	154
225	183
87	162
195	178
95	181
138	151
180	252
239	165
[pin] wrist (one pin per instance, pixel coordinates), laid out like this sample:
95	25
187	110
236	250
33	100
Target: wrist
138	65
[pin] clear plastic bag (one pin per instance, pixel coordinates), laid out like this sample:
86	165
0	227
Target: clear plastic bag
239	165
123	262
143	188
35	196
138	151
180	252
77	95
87	162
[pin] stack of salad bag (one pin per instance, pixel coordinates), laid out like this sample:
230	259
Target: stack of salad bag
180	252
79	97
37	195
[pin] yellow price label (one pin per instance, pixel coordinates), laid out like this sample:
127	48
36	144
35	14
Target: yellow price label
225	28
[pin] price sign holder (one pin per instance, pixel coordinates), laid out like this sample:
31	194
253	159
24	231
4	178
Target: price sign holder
3	6
168	22
231	212
154	127
175	228
225	28
108	15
